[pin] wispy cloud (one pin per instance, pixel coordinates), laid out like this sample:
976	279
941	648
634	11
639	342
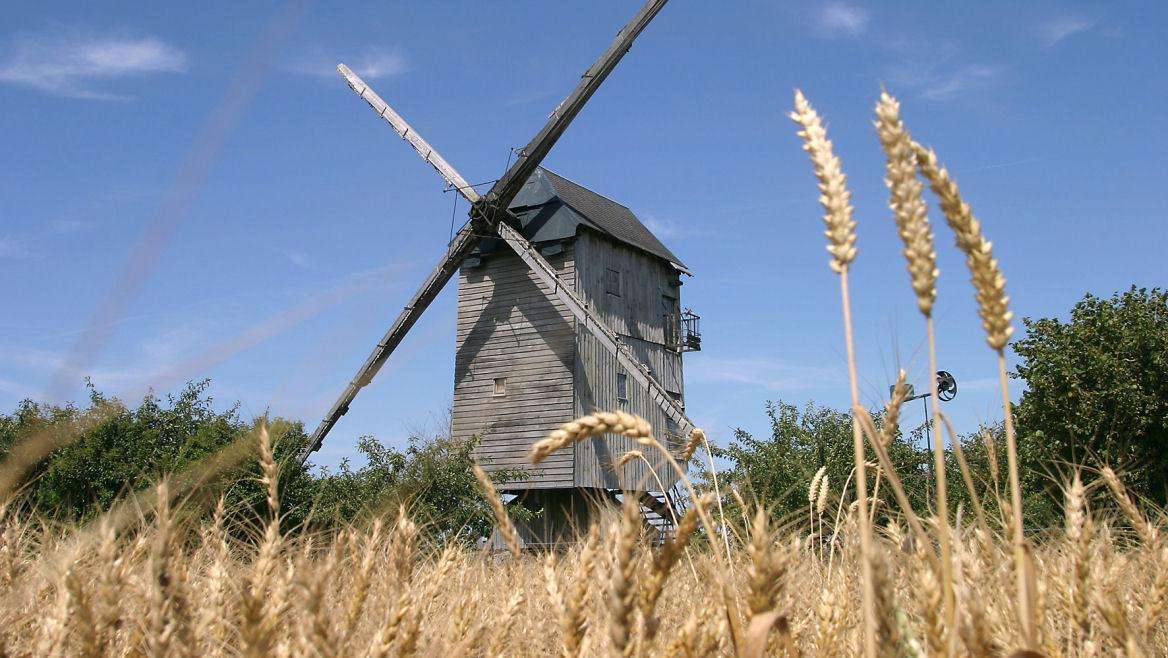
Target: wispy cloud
297	258
70	226
942	81
371	63
841	19
176	352
1059	29
666	228
14	249
765	373
1000	165
75	66
531	97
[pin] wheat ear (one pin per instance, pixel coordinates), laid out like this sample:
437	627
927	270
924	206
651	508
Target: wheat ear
890	427
908	208
767	573
506	527
622	592
841	235
697	437
988	281
584	427
260	601
1146	530
1078	534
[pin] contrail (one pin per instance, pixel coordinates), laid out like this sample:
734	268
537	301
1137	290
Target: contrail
195	168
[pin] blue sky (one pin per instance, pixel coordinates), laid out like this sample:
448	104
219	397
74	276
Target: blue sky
193	192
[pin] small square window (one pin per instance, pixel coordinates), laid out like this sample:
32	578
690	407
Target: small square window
612	282
500	386
622	387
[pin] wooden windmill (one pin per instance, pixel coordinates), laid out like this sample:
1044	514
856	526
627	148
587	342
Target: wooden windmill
567	304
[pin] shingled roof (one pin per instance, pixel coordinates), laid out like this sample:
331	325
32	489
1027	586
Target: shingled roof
551	206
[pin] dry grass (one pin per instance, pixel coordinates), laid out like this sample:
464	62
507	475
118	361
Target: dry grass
158	584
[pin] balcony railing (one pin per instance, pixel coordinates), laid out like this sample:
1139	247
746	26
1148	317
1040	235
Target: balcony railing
683	331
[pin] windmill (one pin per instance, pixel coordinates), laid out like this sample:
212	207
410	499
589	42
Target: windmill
567	304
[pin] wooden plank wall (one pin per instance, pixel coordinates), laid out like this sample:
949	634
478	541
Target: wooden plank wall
637	315
509	326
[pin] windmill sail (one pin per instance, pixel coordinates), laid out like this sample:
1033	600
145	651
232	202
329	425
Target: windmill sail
533	154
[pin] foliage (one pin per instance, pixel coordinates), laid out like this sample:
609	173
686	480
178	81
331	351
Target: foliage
113	450
432	477
775	470
1097	390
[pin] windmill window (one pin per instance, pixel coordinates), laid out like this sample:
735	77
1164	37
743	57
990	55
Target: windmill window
612	282
622	387
500	386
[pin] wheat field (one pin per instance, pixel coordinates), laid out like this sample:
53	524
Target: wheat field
167	588
153	579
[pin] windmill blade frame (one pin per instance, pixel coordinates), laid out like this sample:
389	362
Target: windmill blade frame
407	132
530	157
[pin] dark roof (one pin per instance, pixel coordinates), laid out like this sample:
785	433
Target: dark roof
541	207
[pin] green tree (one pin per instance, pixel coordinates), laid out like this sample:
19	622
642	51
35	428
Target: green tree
776	470
432	477
1097	391
109	450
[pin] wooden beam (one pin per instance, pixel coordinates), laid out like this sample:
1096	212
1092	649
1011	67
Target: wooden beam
529	158
407	132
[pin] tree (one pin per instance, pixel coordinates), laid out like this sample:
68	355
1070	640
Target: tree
432	477
1097	390
776	470
112	450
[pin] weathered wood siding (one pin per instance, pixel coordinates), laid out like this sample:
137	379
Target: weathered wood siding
510	326
647	292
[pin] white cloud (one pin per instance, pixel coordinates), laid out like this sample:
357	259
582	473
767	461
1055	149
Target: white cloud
71	65
840	19
374	64
1056	30
370	63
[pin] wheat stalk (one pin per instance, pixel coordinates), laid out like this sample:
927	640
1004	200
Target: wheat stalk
502	520
841	234
912	223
